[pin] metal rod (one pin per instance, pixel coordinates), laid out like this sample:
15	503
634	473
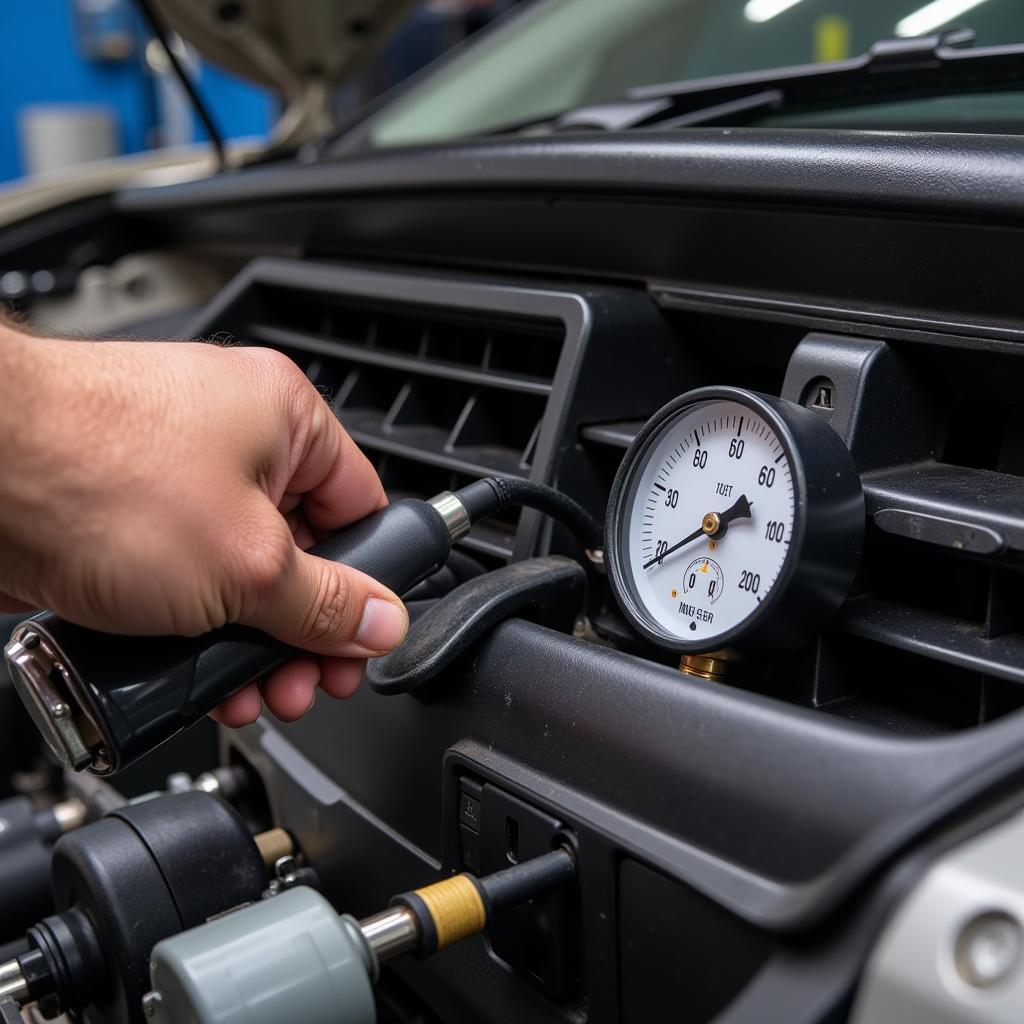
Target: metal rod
391	933
156	26
12	982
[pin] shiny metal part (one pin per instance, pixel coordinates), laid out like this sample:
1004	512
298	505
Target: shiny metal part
12	982
954	950
70	814
714	665
453	513
286	871
989	949
391	933
178	782
44	685
226	781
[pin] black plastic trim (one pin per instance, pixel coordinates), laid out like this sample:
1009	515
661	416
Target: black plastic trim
977	175
824	802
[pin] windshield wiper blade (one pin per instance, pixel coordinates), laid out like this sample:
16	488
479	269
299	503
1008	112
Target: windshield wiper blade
941	64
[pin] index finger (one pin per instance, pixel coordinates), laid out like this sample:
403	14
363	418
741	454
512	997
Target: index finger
337	483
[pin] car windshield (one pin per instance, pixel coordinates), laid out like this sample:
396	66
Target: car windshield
561	54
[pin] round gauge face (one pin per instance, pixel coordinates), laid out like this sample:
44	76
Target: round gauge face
709	510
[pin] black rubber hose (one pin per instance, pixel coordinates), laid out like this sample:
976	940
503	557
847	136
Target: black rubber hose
528	880
494	494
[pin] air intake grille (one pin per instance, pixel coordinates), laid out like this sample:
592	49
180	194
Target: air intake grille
439	382
435	398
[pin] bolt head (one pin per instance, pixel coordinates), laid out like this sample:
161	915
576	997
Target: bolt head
989	949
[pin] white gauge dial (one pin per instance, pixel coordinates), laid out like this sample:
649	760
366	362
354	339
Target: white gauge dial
710	520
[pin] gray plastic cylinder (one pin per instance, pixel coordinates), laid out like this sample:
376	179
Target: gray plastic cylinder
288	958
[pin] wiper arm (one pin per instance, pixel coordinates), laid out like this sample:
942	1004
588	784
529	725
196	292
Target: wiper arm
941	64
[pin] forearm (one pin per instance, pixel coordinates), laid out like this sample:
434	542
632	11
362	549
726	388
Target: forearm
18	382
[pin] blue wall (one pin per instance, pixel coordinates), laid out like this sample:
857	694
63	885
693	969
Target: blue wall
40	62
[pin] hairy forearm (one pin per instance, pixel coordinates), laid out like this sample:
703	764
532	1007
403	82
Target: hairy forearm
23	392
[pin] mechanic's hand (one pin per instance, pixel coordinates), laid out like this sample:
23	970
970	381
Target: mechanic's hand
171	488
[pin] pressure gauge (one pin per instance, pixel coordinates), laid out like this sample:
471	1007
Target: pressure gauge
736	521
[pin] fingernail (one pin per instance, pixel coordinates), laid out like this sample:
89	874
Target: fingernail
382	627
312	701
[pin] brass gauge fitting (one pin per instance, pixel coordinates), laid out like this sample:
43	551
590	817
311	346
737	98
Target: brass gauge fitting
714	666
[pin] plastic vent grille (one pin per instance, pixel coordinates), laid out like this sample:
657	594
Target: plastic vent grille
435	397
937	624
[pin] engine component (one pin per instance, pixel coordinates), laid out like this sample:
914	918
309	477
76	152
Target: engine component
26	839
735	520
139	875
103	701
293	956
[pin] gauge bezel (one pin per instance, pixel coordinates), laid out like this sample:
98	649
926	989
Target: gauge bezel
758	628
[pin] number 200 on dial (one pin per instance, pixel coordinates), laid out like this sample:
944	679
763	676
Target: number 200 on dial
736	520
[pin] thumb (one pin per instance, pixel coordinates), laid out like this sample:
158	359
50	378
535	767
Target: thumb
331	609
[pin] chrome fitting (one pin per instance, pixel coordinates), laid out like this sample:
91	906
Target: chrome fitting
69	814
46	687
453	513
12	982
391	933
227	782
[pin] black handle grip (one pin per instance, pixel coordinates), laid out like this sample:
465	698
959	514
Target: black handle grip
141	691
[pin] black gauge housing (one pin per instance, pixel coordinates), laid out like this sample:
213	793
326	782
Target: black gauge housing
827	536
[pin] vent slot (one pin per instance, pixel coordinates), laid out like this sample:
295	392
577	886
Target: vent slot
899	690
925	577
978	419
526	354
400	334
986	435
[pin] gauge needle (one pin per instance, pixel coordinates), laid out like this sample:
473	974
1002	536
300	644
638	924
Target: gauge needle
714	524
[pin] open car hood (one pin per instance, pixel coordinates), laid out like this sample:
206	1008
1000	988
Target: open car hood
301	48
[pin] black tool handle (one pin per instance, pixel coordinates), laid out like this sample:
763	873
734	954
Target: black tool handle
142	691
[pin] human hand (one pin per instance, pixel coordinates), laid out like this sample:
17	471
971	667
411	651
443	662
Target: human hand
170	488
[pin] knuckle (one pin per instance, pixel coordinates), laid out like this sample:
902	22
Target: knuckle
260	564
278	373
276	362
332	616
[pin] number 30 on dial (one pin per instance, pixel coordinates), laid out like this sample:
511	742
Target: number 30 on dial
736	520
